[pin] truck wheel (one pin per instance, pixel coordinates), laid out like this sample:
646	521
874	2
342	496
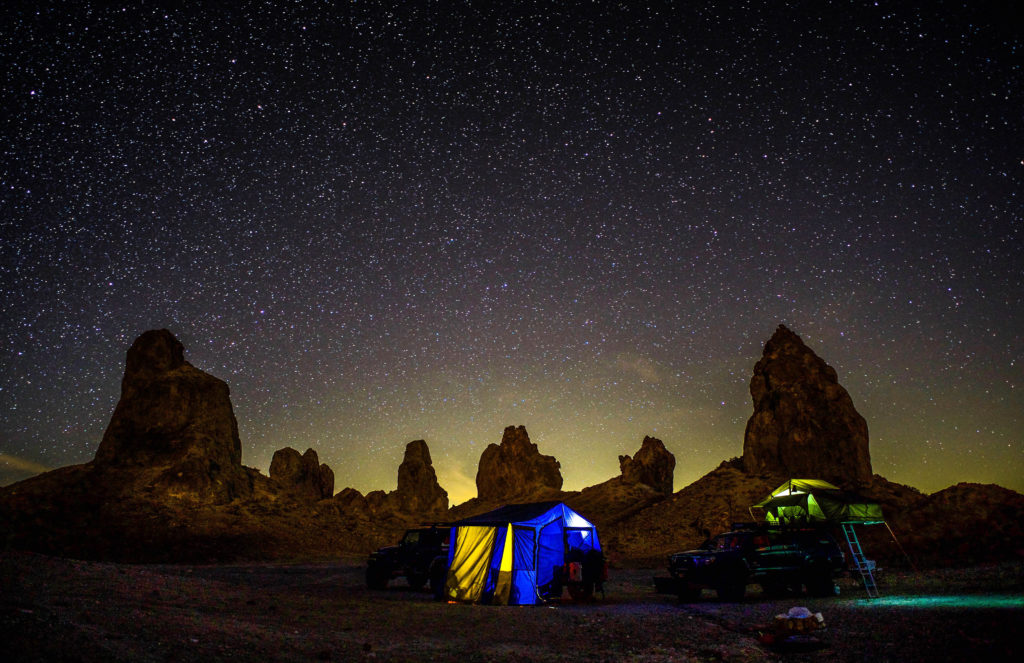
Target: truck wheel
689	593
819	582
732	590
733	585
774	588
438	576
376	577
416	581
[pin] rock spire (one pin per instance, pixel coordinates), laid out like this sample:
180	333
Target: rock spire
175	424
804	423
515	469
653	465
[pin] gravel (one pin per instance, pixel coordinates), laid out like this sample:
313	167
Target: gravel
54	609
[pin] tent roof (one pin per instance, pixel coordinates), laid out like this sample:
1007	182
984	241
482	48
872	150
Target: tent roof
533	513
800	486
795	487
832	502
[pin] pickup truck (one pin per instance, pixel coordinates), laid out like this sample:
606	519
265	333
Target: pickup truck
778	559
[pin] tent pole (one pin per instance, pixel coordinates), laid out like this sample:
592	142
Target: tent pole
910	561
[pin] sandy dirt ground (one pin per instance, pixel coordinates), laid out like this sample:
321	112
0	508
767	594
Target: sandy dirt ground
62	610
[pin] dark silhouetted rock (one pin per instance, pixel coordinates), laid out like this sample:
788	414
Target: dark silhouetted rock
515	469
286	467
967	523
686	518
418	497
176	425
377	501
646	479
653	466
418	491
326	481
167	484
352	503
804	423
302	476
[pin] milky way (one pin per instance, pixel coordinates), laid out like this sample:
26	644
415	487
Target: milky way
381	224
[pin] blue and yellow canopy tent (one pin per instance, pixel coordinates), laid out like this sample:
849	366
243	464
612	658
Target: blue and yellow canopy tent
509	556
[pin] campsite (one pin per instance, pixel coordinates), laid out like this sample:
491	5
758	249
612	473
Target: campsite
57	609
504	598
145	555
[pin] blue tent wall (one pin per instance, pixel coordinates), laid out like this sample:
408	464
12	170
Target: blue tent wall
542	534
524	576
550	553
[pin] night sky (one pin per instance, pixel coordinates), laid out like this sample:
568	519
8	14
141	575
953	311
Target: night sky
434	220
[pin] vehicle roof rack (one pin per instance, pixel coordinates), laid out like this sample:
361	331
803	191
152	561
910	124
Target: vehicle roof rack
747	525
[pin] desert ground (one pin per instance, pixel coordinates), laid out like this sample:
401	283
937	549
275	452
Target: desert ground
54	609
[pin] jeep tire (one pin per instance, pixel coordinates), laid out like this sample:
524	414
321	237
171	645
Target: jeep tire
416	580
689	593
818	580
732	586
377	577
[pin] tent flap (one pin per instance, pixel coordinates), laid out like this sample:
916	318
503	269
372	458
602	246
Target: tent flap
467	575
503	572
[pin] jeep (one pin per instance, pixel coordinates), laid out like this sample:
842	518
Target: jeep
778	559
412	558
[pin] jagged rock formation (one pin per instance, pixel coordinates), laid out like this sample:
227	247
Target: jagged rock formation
353	503
175	425
418	497
804	423
965	523
377	501
515	469
653	465
167	483
418	490
684	520
646	479
302	476
326	481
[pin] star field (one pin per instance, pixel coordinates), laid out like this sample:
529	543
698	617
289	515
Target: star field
379	223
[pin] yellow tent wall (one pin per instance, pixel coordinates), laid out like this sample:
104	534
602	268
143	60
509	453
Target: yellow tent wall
468	572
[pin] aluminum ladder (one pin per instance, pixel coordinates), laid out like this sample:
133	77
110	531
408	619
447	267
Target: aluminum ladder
863	566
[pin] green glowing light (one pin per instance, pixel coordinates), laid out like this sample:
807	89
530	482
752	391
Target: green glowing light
960	601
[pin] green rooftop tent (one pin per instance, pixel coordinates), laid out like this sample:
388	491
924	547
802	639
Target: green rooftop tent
509	556
803	502
813	501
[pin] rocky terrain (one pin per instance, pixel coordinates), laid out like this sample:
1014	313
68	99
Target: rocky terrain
167	483
54	609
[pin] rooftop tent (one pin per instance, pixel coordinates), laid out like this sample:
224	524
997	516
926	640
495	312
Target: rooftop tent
809	501
813	501
509	555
